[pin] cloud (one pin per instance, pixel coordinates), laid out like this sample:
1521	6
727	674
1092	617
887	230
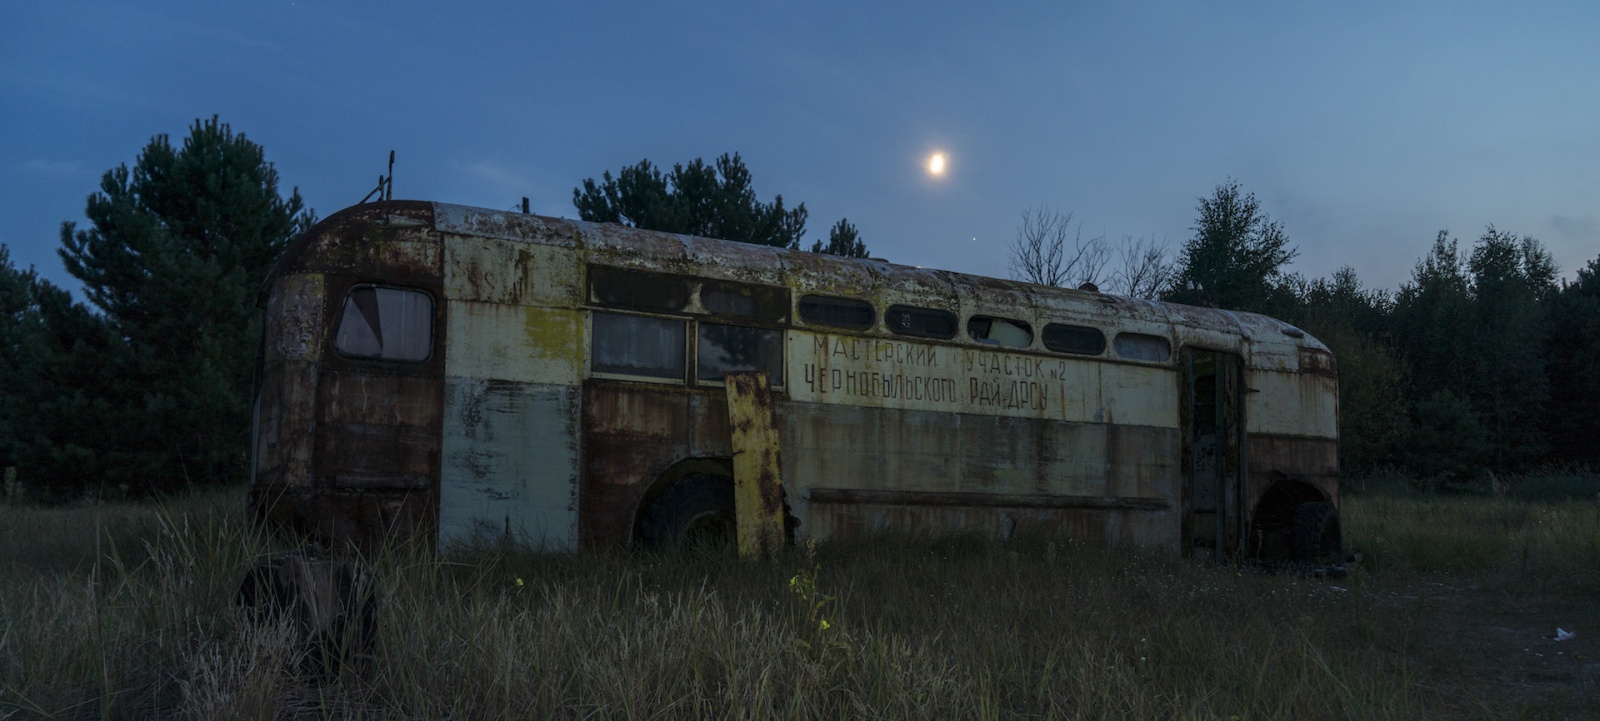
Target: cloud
495	174
1584	228
55	169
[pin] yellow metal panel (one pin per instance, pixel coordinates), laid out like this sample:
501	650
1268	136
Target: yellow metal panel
514	343
757	480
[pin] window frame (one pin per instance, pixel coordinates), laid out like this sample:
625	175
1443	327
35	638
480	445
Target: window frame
687	285
688	349
872	312
1104	343
782	360
955	321
1166	342
987	343
771	303
337	311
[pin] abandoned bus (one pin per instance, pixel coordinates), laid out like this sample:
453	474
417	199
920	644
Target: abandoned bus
445	372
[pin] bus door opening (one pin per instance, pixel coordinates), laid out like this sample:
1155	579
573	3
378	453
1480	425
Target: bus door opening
1213	425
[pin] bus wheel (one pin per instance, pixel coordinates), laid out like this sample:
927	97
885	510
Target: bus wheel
1315	533
696	512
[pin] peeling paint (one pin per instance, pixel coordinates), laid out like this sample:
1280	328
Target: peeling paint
504	429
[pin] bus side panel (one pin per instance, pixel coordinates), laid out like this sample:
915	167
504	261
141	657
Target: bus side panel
510	424
377	430
282	446
1293	430
886	469
1274	457
633	433
1296	404
510	463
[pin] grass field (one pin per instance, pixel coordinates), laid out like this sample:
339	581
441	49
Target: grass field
125	611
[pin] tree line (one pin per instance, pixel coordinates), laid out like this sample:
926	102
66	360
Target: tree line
1482	360
146	385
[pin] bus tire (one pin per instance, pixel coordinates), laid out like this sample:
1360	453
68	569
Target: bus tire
1315	534
696	512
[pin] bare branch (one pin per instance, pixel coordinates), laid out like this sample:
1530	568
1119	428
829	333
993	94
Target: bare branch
1041	254
1145	270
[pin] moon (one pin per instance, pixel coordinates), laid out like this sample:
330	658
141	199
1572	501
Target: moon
936	164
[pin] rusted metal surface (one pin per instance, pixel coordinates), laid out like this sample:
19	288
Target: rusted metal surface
377	430
757	473
505	428
362	519
979	500
347	451
393	241
632	435
1314	461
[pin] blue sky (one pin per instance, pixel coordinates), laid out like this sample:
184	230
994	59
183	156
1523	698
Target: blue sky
1364	128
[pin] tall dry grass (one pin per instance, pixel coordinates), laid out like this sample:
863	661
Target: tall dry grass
126	612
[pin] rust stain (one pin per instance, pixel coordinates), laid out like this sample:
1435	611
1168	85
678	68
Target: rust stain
1317	361
347	452
935	498
757	481
999	440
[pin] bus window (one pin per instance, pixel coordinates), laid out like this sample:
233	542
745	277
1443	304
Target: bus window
1075	339
920	322
1000	331
637	290
837	312
638	346
1138	346
388	324
727	348
760	303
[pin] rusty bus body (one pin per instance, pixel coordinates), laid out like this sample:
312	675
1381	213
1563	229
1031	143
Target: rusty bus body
554	380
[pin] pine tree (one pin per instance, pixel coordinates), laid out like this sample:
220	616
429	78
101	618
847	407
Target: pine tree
698	199
55	370
19	356
1433	320
173	261
1508	382
1235	259
1574	416
843	240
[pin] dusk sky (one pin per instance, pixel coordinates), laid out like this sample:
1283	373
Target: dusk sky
1365	128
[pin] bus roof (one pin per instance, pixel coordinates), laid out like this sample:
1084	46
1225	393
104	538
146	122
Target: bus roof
1265	341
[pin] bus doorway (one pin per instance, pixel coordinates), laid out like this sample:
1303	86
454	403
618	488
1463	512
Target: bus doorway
1213	464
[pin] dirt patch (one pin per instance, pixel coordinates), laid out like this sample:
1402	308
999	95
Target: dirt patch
1493	647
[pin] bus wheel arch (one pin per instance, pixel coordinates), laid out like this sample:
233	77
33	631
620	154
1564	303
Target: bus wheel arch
693	497
1294	521
694	512
648	509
